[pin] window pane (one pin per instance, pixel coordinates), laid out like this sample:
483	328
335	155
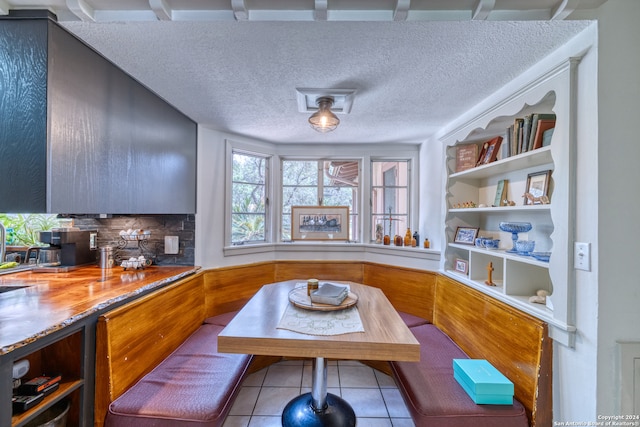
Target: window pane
297	173
286	226
248	198
248	168
339	196
247	227
298	196
341	173
389	198
315	182
380	224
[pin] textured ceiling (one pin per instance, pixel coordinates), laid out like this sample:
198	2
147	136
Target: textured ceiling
234	65
410	77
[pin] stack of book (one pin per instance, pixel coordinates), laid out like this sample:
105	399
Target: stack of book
330	293
529	133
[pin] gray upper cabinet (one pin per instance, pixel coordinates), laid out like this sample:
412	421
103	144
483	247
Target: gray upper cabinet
78	135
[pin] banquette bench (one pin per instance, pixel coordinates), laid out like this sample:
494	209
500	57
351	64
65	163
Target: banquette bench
165	343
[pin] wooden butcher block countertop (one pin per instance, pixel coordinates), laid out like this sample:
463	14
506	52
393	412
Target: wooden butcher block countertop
53	300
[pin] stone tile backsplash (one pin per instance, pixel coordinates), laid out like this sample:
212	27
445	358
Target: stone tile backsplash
109	229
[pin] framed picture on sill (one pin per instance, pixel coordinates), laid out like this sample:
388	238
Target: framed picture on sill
320	223
461	266
489	151
466	235
538	188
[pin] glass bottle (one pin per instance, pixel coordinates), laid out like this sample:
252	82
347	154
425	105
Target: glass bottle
408	237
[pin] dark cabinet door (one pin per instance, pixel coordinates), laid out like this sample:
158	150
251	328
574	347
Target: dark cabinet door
115	146
23	115
79	135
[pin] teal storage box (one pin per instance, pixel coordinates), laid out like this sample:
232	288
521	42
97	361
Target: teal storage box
482	382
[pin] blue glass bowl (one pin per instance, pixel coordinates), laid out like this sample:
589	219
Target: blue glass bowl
525	247
515	227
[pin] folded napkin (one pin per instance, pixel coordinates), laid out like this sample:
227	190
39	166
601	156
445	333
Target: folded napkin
330	293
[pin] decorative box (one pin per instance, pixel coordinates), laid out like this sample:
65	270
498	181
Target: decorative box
483	382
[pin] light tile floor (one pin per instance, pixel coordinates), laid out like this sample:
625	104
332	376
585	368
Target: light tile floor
372	394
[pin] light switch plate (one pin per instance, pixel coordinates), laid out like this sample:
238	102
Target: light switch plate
171	245
582	256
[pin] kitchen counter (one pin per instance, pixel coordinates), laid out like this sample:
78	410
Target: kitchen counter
49	302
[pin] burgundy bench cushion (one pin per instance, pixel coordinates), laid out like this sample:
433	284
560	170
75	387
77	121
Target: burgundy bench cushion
194	386
411	320
435	398
221	319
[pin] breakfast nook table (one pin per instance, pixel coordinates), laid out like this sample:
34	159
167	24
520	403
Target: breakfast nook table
370	329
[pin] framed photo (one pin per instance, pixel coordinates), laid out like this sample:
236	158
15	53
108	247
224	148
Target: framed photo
489	151
461	265
320	223
466	235
538	188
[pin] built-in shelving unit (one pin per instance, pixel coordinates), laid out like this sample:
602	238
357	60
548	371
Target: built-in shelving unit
64	356
518	277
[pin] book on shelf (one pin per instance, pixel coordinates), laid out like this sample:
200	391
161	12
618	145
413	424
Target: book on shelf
527	132
536	120
546	137
501	193
543	126
517	136
509	141
466	157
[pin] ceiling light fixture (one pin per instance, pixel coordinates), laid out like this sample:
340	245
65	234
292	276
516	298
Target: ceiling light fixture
324	120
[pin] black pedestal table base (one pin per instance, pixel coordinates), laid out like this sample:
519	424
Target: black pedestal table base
318	408
300	412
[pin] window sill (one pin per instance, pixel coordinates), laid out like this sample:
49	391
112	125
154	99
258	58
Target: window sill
333	247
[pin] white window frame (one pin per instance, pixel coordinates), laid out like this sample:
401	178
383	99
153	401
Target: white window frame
250	150
411	192
357	201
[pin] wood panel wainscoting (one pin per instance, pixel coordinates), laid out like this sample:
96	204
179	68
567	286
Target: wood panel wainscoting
516	343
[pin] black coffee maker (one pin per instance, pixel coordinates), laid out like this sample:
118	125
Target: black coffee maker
77	247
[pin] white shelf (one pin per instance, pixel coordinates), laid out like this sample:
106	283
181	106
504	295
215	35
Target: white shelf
503	209
519	277
501	253
539	157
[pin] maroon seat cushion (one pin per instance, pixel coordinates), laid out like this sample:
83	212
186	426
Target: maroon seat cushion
221	319
194	386
434	397
411	321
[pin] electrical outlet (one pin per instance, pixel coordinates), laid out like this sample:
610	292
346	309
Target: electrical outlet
171	245
582	256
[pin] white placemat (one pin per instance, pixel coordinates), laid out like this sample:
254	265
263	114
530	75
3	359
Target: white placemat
321	322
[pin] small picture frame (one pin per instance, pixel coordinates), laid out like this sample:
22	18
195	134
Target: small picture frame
489	151
461	266
538	188
320	223
466	235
